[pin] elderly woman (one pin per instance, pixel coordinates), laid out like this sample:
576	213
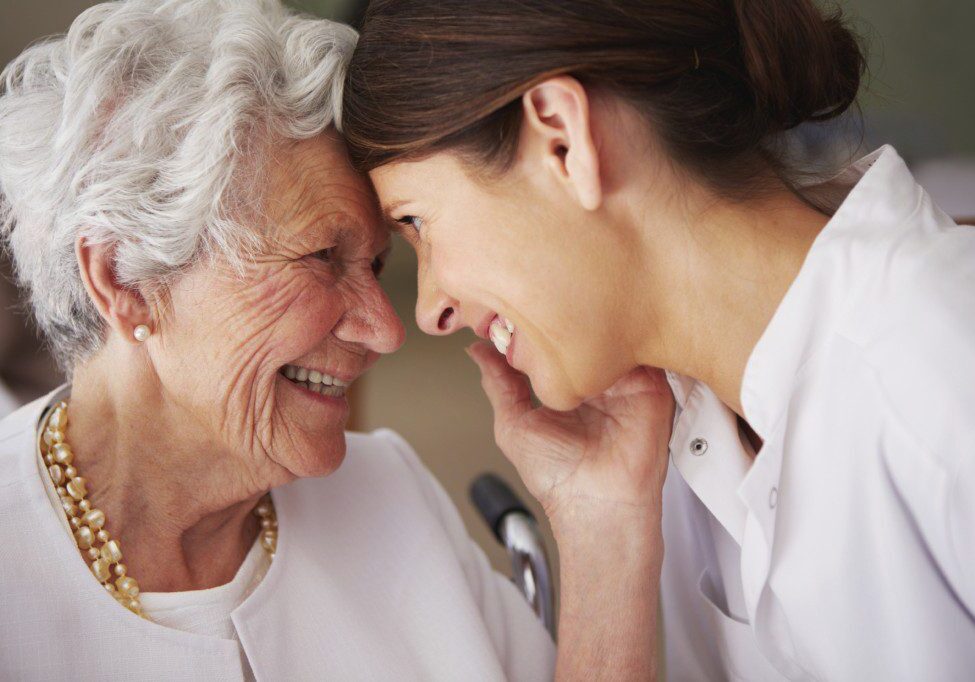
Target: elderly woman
203	262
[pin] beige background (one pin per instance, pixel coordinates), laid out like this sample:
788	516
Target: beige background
922	98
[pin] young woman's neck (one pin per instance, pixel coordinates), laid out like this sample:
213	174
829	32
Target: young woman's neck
719	270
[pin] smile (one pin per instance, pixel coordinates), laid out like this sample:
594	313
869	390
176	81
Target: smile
315	381
501	332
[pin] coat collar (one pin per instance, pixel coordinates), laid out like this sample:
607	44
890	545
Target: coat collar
870	201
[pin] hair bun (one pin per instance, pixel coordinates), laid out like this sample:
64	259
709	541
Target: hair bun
800	65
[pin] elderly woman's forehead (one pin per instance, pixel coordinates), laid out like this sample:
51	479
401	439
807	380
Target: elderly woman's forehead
312	180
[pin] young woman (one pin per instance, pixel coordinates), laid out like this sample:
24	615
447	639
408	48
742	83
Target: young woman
601	187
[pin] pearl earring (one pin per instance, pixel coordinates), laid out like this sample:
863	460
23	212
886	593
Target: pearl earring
141	333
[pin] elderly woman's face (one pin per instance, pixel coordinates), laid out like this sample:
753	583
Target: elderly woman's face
309	307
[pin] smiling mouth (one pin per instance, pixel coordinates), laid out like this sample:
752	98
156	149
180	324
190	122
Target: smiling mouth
501	332
314	381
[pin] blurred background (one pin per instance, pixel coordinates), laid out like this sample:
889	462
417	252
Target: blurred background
920	96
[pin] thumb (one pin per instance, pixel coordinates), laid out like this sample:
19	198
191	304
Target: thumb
507	389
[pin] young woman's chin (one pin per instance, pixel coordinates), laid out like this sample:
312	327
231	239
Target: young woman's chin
553	390
551	381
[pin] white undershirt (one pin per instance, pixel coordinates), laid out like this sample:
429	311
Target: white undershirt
202	612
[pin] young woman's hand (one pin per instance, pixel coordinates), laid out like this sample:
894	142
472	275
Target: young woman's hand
610	452
598	471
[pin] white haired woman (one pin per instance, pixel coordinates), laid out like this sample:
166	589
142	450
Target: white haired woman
203	262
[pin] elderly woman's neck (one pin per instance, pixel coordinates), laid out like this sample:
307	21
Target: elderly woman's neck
180	508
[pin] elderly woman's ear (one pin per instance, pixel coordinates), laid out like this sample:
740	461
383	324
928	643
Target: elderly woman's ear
122	308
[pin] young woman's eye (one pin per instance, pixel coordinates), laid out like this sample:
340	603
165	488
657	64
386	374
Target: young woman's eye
413	221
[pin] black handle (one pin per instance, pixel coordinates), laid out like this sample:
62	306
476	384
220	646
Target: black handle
494	500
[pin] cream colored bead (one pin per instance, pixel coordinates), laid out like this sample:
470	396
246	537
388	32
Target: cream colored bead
102	535
121	569
127	586
263	510
267	523
84	537
93	553
49	459
269	540
94	518
84	505
101	570
59	419
57	474
111	552
75	522
76	488
63	492
109	586
70	472
69	507
62	453
134	606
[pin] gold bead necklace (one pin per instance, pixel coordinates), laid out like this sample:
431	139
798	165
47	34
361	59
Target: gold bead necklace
88	523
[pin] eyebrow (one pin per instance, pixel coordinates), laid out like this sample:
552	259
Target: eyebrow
389	208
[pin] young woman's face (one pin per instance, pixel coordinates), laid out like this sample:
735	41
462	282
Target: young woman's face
511	254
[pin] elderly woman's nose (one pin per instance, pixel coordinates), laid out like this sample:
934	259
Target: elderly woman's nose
372	322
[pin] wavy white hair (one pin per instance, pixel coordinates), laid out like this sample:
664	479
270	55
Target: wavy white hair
145	127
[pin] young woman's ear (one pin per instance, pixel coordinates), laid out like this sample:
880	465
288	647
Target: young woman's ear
558	126
122	309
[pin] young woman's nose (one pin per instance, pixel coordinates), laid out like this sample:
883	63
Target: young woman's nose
436	313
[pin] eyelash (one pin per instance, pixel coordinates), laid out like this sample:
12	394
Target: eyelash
411	221
378	263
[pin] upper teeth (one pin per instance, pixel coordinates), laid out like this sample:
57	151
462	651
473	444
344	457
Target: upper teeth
296	373
501	331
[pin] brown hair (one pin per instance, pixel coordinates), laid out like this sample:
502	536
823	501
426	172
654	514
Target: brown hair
717	79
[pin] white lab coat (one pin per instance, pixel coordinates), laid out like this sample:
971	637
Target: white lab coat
375	578
846	550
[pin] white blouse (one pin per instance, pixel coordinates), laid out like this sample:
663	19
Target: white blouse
845	550
374	578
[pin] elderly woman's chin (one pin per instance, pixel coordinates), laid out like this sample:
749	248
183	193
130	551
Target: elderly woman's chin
314	426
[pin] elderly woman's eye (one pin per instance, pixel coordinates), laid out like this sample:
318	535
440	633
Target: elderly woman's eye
413	221
327	255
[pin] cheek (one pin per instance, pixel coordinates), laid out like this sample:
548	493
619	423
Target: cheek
296	313
244	327
469	260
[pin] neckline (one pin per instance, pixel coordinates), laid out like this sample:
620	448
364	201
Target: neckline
247	578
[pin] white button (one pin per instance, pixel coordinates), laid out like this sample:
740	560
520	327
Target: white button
773	497
699	446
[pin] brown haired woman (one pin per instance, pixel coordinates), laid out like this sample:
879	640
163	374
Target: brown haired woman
600	187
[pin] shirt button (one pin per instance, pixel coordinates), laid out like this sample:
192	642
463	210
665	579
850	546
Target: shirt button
773	497
699	446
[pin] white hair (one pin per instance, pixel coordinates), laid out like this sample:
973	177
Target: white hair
142	128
